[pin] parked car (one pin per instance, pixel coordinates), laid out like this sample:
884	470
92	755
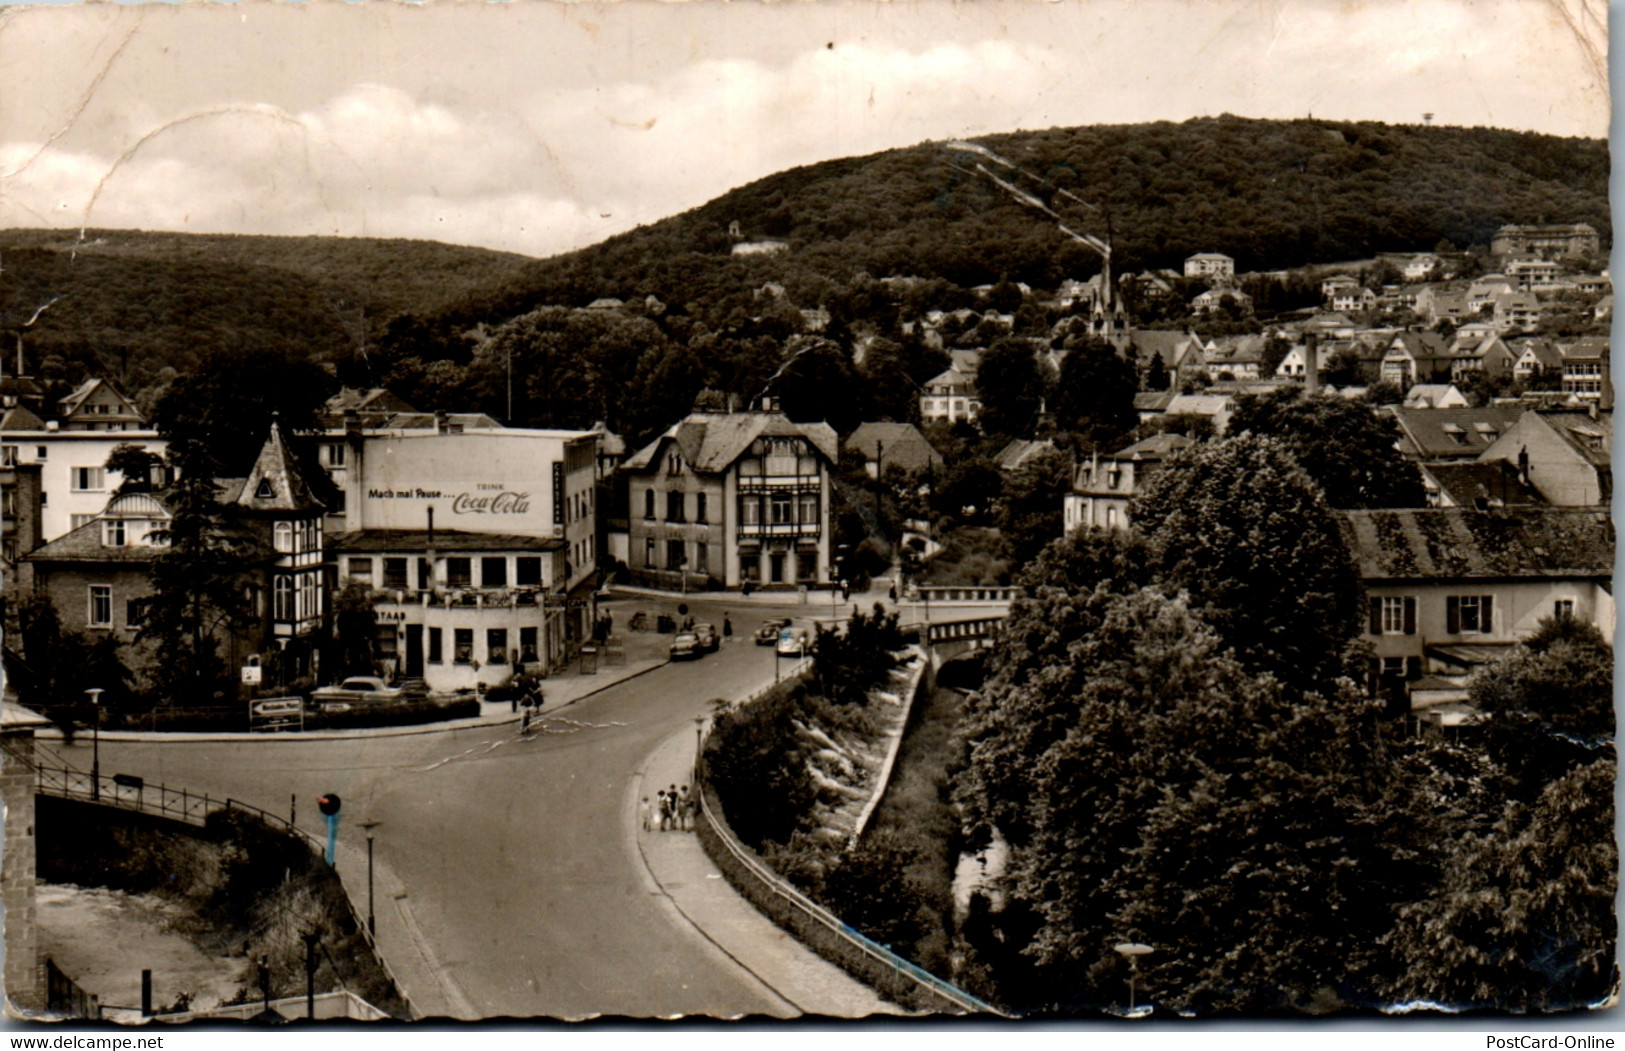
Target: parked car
793	643
356	690
686	646
707	634
768	633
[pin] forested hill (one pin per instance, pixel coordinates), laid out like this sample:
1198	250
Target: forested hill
1272	194
130	303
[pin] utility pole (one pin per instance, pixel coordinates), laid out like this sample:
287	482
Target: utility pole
310	938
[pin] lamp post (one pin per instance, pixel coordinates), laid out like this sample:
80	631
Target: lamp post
699	747
96	744
1133	951
372	920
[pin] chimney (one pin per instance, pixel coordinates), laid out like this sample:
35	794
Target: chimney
1311	362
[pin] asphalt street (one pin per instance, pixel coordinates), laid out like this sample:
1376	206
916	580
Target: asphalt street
521	886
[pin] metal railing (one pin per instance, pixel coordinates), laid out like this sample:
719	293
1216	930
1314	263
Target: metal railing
955	630
964	593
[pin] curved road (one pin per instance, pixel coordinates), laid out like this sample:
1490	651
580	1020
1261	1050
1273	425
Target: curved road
520	880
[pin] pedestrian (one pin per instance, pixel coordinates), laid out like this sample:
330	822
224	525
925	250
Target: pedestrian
685	809
747	588
891	592
645	813
524	727
665	809
727	626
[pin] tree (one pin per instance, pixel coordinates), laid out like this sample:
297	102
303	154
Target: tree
51	668
355	626
1011	386
1094	397
853	660
135	465
230	401
969	488
1241	527
1156	374
1523	919
1030	510
1349	450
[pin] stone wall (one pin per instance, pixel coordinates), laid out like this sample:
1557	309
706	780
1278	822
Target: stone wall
23	987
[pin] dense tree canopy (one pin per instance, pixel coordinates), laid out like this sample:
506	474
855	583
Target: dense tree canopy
1348	449
1011	382
1241	527
1094	396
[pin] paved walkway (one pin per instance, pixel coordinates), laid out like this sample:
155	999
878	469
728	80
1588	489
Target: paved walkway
804	981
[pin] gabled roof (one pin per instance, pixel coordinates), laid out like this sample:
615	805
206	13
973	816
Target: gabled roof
711	442
1445	434
427	421
1018	452
20	419
277	483
1153	400
1545	352
85	545
1164	343
74	402
1478	480
1586	348
1421	345
1592	439
1457	543
1156	447
901	444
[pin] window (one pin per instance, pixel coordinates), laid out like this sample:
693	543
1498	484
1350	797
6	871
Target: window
494	572
113	532
135	612
41	452
527	645
674	463
89	479
1563	608
649	552
75	521
265	491
702	558
8	456
809	508
781	509
463	645
699	507
750	510
309	595
360	570
806	565
338	498
1393	615
44	498
750	566
284	538
1111	518
335	454
283	598
674	507
528	571
675	555
496	645
436	651
395	573
101	605
649	504
1470	614
459	572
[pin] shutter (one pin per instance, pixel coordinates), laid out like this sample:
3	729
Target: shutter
1486	614
1410	616
1452	615
1375	626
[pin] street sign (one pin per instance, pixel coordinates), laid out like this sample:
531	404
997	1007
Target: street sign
276	713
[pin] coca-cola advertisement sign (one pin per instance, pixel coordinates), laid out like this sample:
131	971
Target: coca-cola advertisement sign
504	502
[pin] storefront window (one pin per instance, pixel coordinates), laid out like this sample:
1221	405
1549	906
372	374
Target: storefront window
528	571
493	572
395	573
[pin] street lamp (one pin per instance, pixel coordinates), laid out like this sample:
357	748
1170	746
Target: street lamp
699	747
372	920
96	744
1133	951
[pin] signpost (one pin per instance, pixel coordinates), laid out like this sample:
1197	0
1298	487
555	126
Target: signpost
270	714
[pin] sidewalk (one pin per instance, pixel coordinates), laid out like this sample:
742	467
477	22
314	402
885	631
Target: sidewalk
805	981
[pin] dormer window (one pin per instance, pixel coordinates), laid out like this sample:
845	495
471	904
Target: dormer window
266	490
113	534
674	464
1455	433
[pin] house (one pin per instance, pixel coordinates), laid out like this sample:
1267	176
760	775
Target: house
884	445
99	574
96	405
1329	326
1218	408
1585	367
1435	304
1355	298
1532	273
950	396
1434	434
1449	589
1604	308
1535	358
1517	310
75	483
1418	267
1479	355
735	499
1414	357
1482	292
1239	357
1336	283
1150	404
1477	484
1214	299
21	521
1566	456
1212	265
1548	241
463	610
1435	396
1399	297
372	406
1103	486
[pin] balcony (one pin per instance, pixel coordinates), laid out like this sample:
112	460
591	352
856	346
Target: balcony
792	530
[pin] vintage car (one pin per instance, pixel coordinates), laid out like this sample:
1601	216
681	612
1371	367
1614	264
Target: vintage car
356	690
686	646
793	643
768	633
707	634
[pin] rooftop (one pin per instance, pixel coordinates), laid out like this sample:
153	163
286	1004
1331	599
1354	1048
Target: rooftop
1458	543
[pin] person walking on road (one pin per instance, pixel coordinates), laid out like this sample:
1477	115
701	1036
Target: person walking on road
685	810
645	814
665	810
727	626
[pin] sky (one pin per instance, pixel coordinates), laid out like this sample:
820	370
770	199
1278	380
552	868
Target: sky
536	126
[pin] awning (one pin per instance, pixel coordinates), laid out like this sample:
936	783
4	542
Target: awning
1433	691
1470	654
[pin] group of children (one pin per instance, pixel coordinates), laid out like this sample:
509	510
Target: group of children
674	809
